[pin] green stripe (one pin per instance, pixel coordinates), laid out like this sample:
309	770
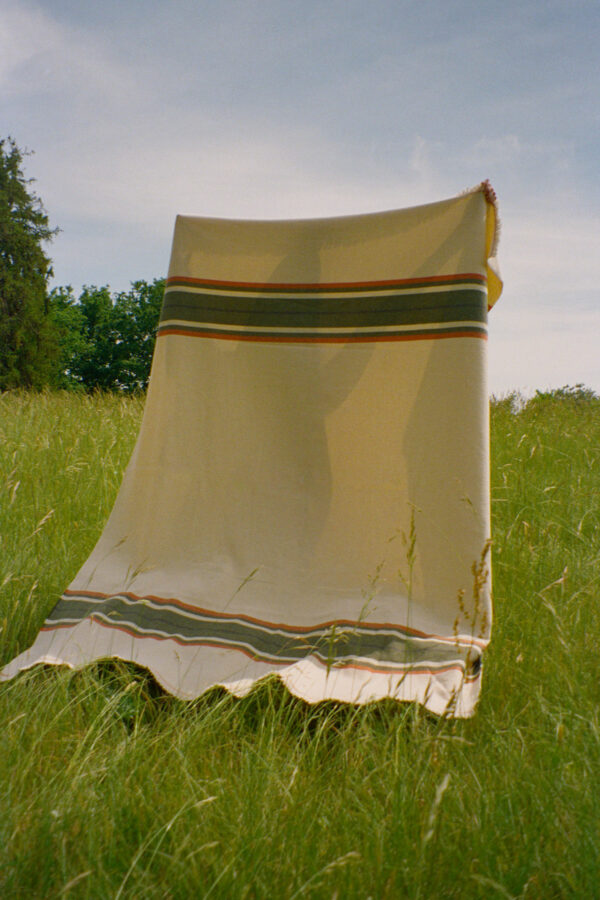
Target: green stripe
328	643
327	312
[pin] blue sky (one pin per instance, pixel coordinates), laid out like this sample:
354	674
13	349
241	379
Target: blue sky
141	109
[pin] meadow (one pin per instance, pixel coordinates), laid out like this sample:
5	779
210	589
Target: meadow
110	788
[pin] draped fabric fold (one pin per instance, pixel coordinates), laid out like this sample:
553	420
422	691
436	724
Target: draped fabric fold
309	492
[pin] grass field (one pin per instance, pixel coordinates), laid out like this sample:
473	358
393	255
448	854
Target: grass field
109	788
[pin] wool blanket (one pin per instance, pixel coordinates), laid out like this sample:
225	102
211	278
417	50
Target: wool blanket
309	492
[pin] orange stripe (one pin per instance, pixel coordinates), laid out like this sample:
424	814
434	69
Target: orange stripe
270	662
326	285
299	339
293	629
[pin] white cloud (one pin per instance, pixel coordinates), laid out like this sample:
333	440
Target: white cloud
540	349
140	111
551	259
41	57
26	36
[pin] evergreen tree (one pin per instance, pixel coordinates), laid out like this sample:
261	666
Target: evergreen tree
28	344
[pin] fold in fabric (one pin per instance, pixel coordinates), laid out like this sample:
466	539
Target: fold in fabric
309	493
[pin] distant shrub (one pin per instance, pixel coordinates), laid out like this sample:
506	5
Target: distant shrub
515	402
573	393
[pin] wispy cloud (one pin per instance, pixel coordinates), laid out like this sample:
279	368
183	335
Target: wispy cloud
531	350
140	111
49	60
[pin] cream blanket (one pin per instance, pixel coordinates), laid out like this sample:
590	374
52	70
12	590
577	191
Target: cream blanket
309	493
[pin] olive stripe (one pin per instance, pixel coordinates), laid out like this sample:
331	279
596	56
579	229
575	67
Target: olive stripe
326	312
389	645
87	596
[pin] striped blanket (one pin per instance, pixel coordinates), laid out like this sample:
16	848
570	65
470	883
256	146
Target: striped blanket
309	493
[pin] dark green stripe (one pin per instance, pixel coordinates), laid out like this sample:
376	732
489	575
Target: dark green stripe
328	643
327	312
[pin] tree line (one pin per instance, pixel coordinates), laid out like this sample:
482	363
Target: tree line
52	338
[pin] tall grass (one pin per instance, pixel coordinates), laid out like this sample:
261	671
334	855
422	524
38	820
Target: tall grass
109	788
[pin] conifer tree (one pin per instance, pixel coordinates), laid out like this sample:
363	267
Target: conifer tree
28	345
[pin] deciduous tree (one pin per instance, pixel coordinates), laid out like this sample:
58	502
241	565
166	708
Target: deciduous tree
107	340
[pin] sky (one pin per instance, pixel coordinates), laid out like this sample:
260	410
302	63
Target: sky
137	110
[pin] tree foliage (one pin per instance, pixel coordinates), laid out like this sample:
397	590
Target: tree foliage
136	315
98	340
28	345
107	340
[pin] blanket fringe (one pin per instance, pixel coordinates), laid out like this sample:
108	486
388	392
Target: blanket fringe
490	195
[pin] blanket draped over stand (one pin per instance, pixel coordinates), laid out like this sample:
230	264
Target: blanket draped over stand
309	492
